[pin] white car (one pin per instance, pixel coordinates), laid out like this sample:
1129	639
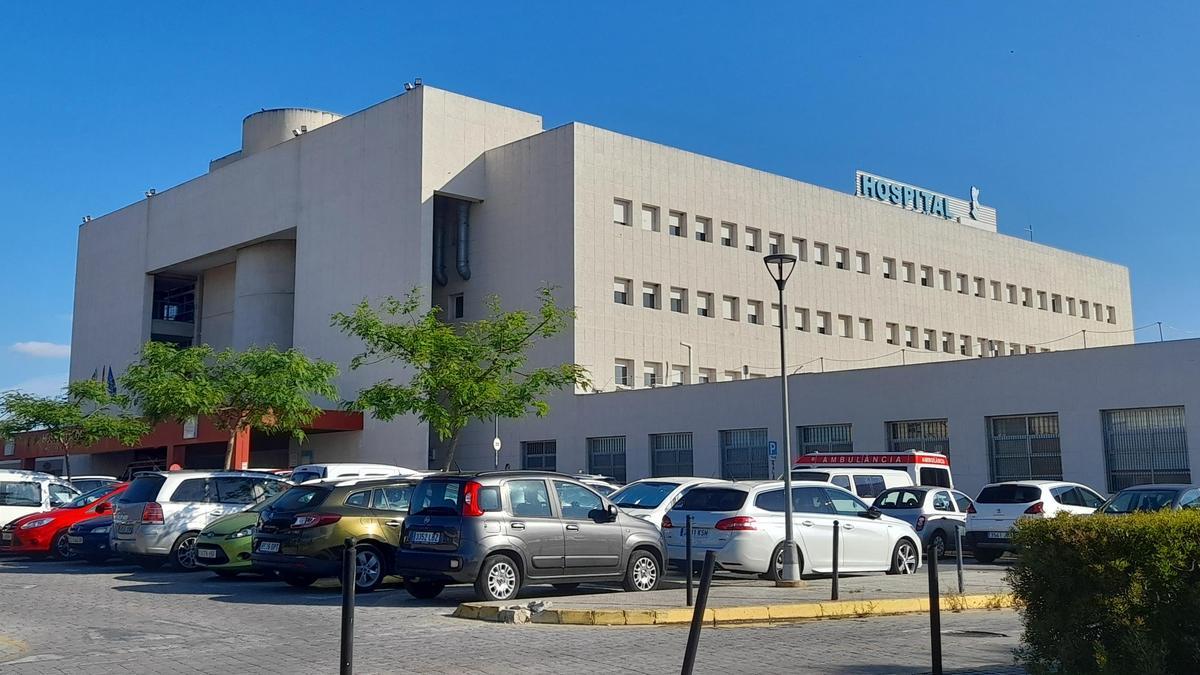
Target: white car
1000	505
315	472
605	485
25	492
651	498
866	483
744	524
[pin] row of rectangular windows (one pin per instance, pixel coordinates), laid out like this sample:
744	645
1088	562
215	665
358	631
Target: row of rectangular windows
949	281
1141	445
847	326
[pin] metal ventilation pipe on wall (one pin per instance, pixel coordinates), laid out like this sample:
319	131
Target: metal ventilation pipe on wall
463	261
439	245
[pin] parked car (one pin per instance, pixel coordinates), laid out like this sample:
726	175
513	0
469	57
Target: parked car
86	484
744	524
161	513
502	530
1000	505
302	534
89	539
313	472
1152	498
651	498
26	492
866	483
605	485
45	533
933	512
224	545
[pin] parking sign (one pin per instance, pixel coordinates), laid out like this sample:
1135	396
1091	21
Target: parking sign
772	449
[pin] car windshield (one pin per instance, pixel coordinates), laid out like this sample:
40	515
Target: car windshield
89	497
20	493
435	498
300	498
900	499
647	495
712	499
1131	501
1009	494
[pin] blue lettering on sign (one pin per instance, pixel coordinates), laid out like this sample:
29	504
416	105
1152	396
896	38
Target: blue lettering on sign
905	196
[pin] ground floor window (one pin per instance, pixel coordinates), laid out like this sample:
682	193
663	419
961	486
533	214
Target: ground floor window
923	435
825	438
539	455
671	454
744	454
1024	447
606	456
1145	445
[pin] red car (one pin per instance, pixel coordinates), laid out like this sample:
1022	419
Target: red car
45	533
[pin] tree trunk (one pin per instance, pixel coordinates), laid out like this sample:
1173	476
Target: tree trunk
450	454
66	461
229	449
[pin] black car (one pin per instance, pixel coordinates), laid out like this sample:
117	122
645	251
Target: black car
1152	498
88	540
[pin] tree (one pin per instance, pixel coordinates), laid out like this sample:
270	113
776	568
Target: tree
461	372
85	414
263	389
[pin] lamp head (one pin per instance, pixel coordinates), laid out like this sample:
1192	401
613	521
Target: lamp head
780	265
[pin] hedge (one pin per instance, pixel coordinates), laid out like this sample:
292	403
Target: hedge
1109	594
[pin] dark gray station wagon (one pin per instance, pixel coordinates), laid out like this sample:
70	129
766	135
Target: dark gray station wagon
505	529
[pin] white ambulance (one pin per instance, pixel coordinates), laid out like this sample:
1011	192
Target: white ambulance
867	475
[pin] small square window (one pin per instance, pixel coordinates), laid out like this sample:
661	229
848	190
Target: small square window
706	375
729	308
1110	314
947	280
622	372
910	336
1085	309
621	291
1026	297
948	343
930	340
963	284
753	240
862	262
1056	303
704	304
652	374
1042	302
754	312
865	331
996	290
775	243
729	235
893	333
845	326
1098	310
775	314
802	319
926	276
964	345
821	253
823	321
1070	305
679	300
910	272
649	218
703	229
679	375
676	224
621	209
841	258
980	287
650	296
457	306
889	268
800	249
1010	291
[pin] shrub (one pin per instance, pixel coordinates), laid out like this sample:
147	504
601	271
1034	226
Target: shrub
1110	594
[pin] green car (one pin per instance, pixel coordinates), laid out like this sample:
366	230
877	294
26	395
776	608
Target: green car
224	546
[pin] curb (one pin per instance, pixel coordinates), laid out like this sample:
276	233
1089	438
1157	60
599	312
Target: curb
734	615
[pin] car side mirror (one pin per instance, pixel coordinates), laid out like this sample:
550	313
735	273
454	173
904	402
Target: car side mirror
873	513
605	515
103	507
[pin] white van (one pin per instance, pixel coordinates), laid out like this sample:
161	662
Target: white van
866	475
25	492
314	472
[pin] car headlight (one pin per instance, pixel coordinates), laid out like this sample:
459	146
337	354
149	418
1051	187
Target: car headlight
37	523
244	532
102	530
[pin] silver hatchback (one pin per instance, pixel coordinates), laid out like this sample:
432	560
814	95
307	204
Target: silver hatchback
160	514
504	529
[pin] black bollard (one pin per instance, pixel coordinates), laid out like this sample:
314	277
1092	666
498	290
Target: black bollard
935	613
689	656
690	570
349	573
958	555
833	595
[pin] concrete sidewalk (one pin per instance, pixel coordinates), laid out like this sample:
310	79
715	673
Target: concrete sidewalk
741	600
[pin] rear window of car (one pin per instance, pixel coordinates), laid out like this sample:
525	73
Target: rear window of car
935	477
302	476
712	499
436	498
900	499
302	497
869	485
1009	494
143	489
818	476
647	495
20	493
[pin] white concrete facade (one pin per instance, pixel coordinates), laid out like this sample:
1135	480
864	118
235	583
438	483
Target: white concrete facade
354	198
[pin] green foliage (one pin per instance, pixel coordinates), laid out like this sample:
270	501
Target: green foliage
264	389
460	372
83	415
1110	594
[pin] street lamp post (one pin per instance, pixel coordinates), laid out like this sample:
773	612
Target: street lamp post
780	265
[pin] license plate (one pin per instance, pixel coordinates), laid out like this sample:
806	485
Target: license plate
6	536
425	537
268	547
699	533
997	535
74	540
124	529
209	553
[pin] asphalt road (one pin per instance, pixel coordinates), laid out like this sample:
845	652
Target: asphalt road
77	618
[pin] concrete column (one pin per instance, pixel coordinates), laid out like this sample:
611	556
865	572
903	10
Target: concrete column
264	292
176	455
241	451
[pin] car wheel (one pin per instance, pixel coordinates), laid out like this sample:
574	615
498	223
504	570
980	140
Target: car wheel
643	573
368	569
565	588
298	580
938	543
775	573
183	553
60	548
151	563
904	558
424	590
226	574
499	578
986	555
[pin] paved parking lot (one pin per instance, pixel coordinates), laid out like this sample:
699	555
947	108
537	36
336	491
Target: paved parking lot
77	618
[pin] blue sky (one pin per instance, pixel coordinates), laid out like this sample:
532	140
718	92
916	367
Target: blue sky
1075	118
